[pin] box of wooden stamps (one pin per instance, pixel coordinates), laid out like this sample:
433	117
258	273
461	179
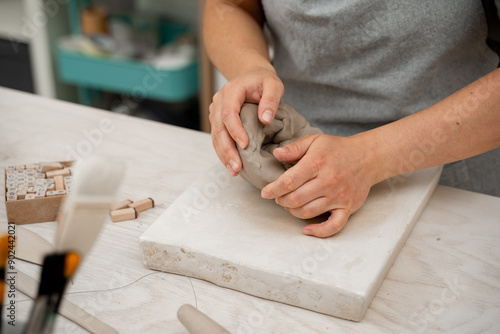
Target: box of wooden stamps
34	192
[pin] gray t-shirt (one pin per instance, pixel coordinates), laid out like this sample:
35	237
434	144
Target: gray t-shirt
352	65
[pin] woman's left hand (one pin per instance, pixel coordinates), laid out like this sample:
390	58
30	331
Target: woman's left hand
333	174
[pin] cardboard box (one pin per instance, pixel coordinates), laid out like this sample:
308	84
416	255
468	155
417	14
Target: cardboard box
28	211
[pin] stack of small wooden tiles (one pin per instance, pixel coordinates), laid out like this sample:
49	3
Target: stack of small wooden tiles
25	182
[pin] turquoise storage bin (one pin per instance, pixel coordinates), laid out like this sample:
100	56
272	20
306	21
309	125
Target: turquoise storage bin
131	77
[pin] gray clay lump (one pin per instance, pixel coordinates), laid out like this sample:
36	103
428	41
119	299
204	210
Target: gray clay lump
260	167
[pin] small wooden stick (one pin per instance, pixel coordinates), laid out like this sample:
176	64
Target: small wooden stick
124	214
122	205
143	204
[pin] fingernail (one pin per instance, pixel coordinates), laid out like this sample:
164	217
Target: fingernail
264	195
230	169
240	142
307	232
234	165
267	116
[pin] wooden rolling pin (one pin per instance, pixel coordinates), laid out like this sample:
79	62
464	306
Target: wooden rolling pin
197	322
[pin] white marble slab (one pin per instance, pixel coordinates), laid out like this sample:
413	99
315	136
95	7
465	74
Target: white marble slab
222	231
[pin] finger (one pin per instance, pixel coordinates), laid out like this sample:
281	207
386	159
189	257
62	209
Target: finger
296	150
222	157
226	150
272	93
289	181
308	192
336	221
233	99
312	209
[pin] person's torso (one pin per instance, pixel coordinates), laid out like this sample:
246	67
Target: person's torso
351	65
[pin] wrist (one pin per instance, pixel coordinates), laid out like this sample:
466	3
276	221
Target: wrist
374	159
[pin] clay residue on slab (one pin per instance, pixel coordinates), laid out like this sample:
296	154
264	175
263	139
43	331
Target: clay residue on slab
260	167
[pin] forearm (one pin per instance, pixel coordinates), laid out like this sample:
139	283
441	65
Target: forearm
465	124
233	36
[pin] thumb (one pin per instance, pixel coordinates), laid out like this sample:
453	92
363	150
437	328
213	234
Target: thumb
272	92
333	225
294	151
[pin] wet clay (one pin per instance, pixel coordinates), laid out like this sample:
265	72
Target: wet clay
260	167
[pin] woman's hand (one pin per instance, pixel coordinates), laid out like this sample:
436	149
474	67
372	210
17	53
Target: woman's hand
261	86
333	174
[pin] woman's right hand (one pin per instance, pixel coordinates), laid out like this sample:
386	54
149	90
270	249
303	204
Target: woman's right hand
260	86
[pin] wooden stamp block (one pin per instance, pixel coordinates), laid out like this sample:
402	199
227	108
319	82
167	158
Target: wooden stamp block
49	186
143	204
51	193
21	194
30	196
49	166
12	189
59	182
20	167
60	192
11	198
40	194
62	172
39	182
48	181
40	175
124	214
122	205
31	190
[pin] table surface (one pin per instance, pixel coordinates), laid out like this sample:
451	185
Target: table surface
446	278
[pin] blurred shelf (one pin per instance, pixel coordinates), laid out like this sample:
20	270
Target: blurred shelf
132	77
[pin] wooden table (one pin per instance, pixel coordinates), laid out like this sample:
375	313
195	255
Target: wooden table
446	278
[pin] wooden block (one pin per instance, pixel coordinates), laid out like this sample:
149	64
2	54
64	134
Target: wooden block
122	205
40	175
22	188
11	184
59	182
21	194
143	204
12	189
20	167
40	194
12	193
30	184
60	192
48	181
10	168
49	166
124	214
11	198
49	186
51	193
30	196
31	190
62	172
31	166
39	182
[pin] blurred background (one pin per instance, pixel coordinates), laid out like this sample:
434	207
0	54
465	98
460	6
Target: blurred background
136	57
